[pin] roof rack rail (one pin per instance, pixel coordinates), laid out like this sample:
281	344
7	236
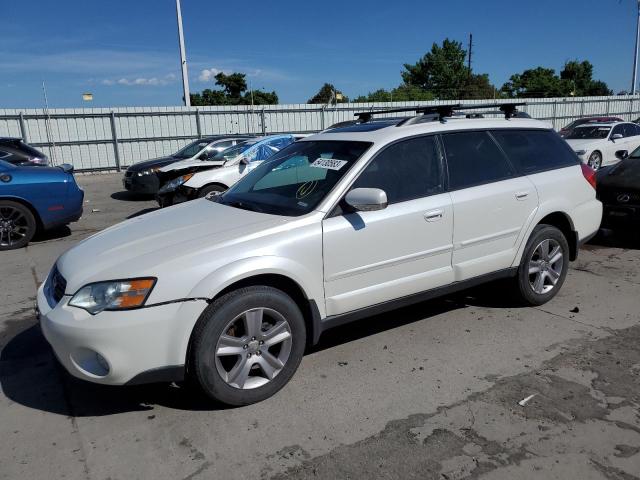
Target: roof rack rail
442	111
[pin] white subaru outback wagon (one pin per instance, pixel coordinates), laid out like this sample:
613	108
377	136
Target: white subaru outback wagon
229	290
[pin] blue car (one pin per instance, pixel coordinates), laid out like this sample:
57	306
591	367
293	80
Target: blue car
34	199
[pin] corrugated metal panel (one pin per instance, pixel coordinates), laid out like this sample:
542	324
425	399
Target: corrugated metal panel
84	137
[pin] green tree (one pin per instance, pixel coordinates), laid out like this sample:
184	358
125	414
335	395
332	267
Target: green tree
442	71
579	79
537	82
234	92
328	94
403	93
478	86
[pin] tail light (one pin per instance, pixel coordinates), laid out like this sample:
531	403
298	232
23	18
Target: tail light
589	174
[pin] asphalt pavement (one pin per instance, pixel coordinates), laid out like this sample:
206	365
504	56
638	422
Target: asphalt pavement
468	386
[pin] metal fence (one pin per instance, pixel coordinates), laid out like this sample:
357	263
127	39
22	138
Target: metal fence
95	139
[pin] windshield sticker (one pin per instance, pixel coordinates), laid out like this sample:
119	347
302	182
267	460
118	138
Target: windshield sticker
329	163
306	189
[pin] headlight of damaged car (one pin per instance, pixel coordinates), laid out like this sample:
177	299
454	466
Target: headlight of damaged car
113	295
175	183
148	171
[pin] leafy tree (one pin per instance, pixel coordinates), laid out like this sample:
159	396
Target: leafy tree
328	94
234	92
537	82
442	71
579	78
478	87
403	93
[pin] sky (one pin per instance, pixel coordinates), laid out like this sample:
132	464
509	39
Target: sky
126	52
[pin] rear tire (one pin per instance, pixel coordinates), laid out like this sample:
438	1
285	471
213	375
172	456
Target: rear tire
544	265
247	345
17	225
206	190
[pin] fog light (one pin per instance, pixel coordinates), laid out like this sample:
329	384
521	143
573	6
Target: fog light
91	363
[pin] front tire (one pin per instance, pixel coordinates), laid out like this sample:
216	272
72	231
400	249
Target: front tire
544	265
204	191
17	225
247	345
595	160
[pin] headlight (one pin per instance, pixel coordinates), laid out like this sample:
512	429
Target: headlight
113	295
175	183
148	171
580	152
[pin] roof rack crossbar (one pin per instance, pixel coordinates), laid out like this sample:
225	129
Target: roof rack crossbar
509	110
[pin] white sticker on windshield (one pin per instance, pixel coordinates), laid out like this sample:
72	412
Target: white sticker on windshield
329	163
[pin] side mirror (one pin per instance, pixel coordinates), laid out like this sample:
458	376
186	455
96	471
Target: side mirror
622	154
616	136
244	161
206	155
366	199
67	168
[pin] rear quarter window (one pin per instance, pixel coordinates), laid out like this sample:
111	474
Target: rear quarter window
535	150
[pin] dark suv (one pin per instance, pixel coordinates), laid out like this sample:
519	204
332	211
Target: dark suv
16	152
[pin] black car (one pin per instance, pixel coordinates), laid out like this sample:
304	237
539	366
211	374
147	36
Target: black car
16	152
141	177
618	188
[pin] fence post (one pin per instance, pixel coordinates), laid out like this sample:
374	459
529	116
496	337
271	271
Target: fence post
582	107
608	107
114	137
322	117
631	109
262	120
198	125
23	130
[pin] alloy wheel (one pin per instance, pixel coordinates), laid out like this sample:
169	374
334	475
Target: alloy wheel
14	226
595	160
253	348
545	266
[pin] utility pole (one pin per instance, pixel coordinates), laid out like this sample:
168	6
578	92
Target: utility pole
635	52
471	49
183	57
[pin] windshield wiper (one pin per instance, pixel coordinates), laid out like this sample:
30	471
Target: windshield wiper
243	205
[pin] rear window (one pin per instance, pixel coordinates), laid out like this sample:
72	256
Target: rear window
536	150
473	158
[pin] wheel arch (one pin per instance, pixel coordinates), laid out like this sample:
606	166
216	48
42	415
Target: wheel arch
213	184
32	209
563	222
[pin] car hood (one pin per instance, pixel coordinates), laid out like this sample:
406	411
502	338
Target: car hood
154	162
587	144
167	241
624	175
189	163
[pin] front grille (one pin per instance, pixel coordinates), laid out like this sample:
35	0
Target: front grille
55	287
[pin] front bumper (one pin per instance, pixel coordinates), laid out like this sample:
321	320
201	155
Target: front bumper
179	195
144	184
115	348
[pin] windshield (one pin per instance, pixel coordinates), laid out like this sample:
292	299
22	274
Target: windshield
191	149
295	180
231	152
583	133
635	153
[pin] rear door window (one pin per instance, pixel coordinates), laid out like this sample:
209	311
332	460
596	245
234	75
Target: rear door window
473	158
533	151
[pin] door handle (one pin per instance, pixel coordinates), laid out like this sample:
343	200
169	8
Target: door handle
434	215
522	195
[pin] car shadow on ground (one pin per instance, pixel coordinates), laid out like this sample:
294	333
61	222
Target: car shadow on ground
143	211
126	196
629	240
53	234
31	376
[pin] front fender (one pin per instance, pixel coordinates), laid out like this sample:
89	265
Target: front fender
310	282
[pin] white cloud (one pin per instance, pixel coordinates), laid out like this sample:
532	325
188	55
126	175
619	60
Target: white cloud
208	74
141	81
